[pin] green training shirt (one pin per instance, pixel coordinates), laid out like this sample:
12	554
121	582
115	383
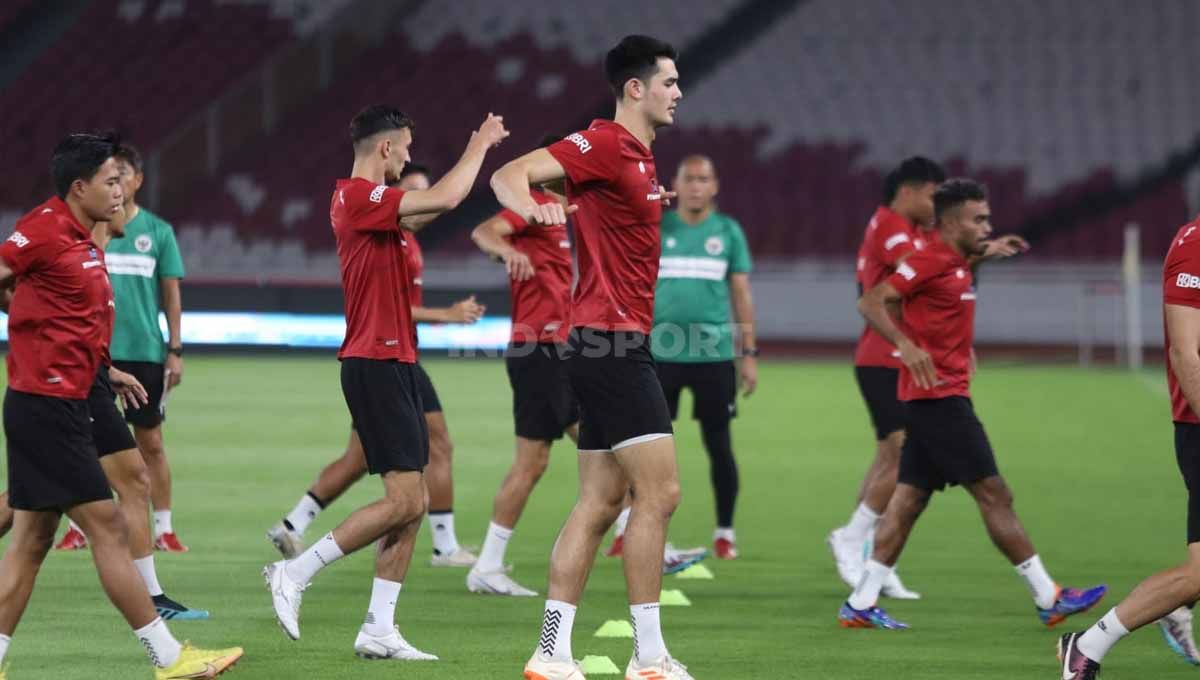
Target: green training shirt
693	318
136	262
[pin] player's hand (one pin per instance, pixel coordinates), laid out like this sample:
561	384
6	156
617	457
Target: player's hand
133	394
748	375
1006	246
548	214
518	266
492	132
466	311
174	370
667	196
918	361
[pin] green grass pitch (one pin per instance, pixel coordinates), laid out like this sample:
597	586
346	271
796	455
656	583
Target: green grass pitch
1088	454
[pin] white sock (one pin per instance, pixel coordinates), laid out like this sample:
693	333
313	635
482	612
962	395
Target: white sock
318	556
145	567
491	558
381	614
867	593
162	647
445	541
306	510
1097	640
73	525
4	642
648	644
162	523
622	520
556	631
861	523
725	533
1041	586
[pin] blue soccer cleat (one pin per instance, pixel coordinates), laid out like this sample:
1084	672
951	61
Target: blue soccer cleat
1176	628
170	610
1070	601
849	617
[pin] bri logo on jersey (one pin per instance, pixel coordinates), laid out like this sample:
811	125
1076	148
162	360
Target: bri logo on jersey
19	239
1187	281
580	141
377	193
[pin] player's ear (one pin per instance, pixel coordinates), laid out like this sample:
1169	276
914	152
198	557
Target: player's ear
634	89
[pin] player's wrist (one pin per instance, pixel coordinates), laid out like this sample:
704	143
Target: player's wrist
175	350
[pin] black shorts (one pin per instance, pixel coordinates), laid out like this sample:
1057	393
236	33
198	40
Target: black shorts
385	405
1187	454
945	445
151	376
543	404
429	396
52	461
878	386
109	431
713	385
614	379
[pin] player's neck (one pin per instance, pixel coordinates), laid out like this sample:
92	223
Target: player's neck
636	124
131	210
692	217
895	207
368	169
101	235
950	243
80	214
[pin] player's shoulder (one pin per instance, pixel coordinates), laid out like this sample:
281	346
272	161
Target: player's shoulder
48	218
1186	244
154	221
728	223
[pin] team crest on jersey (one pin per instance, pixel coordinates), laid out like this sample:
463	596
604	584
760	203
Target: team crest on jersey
143	243
714	246
655	192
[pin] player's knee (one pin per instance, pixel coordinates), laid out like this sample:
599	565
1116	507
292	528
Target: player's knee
663	498
35	544
135	487
407	509
993	494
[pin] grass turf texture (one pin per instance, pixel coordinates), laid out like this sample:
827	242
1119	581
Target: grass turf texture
1088	454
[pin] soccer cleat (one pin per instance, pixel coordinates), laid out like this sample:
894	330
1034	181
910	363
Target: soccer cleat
495	583
849	617
676	560
725	549
170	610
1070	601
894	588
199	663
285	597
289	543
540	668
617	547
72	540
665	668
391	646
1075	666
169	542
1176	628
847	557
461	557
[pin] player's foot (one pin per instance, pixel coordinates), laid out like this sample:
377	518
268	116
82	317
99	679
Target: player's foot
289	543
199	663
170	610
461	557
1176	627
169	542
617	547
725	549
285	597
665	668
496	583
391	646
1075	666
849	617
847	557
1071	601
540	668
72	540
894	588
676	560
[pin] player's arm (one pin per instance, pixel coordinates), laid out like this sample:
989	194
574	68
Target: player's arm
464	311
873	305
418	222
129	388
454	186
172	304
743	316
1183	330
512	181
1000	248
491	237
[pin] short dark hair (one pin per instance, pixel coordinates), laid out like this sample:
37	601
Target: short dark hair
79	156
954	192
129	153
377	118
914	170
411	168
636	56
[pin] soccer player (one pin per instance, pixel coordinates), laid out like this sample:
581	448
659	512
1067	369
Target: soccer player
6	515
1168	595
378	377
538	262
62	293
945	442
625	436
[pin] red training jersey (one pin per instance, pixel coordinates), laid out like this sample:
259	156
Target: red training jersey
541	305
376	284
415	262
61	317
939	313
611	177
1181	286
888	239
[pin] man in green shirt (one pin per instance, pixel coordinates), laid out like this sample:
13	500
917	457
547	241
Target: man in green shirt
704	325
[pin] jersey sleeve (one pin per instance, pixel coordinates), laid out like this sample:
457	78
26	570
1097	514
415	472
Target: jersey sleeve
170	262
373	208
514	220
1181	275
912	274
26	249
588	155
892	242
739	250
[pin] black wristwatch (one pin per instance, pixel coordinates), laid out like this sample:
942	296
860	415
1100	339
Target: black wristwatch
177	351
749	351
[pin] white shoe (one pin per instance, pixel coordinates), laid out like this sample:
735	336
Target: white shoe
1177	629
894	588
461	557
676	560
665	668
495	583
847	556
540	668
285	596
390	646
289	543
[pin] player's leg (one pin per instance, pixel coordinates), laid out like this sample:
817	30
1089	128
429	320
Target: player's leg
714	391
150	443
439	476
905	508
6	515
32	536
489	574
334	479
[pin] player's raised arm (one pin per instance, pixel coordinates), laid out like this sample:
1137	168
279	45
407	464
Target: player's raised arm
873	305
491	237
511	185
454	186
1183	331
